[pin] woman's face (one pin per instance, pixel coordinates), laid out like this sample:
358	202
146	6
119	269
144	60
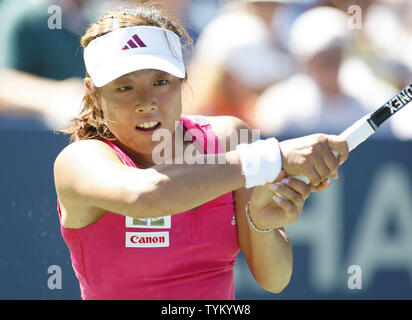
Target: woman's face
137	99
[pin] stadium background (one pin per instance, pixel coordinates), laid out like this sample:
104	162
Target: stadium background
364	219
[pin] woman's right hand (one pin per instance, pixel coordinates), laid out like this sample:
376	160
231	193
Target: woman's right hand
279	204
311	156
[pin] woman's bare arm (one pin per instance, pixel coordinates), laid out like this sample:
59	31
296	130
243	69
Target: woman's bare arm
89	173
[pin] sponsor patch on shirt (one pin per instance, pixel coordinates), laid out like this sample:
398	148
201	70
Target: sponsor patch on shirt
149	223
147	239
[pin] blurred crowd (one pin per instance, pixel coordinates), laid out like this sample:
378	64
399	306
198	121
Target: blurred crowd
286	67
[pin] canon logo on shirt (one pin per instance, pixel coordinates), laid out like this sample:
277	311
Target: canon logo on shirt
147	239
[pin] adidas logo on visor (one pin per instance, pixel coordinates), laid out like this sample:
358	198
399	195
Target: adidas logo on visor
134	42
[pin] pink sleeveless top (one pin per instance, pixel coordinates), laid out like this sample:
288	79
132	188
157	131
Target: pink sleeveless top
189	255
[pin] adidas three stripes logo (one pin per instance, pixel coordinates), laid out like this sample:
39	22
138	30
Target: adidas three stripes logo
134	42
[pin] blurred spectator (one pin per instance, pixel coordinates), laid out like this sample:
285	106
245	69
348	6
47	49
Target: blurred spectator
278	15
196	14
381	56
386	28
313	100
31	102
235	60
10	117
401	126
380	36
263	9
38	46
9	11
34	82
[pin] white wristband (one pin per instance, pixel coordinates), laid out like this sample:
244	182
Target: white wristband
261	161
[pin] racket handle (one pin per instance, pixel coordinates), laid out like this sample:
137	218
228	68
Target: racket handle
358	132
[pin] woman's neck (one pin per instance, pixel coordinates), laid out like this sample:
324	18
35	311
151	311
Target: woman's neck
143	160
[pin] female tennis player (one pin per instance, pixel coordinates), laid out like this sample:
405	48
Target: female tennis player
139	229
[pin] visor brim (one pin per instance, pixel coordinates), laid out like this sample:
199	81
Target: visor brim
115	68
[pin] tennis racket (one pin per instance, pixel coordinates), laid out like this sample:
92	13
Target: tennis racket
365	127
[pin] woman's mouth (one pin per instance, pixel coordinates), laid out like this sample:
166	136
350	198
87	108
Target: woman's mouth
148	127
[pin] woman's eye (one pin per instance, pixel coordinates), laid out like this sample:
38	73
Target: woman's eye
160	82
124	89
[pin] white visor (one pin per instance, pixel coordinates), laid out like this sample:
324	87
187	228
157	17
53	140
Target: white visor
125	50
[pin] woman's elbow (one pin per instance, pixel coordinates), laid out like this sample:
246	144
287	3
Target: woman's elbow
276	284
275	288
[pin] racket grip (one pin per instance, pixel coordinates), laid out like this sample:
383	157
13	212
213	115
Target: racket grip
306	179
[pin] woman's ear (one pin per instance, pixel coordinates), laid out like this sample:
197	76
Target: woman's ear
89	85
91	89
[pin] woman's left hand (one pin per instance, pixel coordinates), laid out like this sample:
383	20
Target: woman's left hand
279	204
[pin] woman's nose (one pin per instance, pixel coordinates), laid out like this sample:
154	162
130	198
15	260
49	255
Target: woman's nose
146	107
146	101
